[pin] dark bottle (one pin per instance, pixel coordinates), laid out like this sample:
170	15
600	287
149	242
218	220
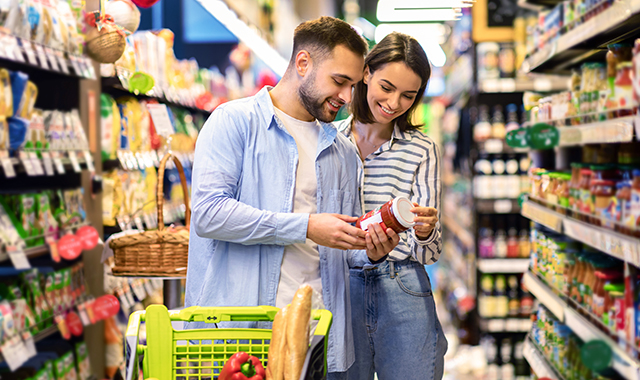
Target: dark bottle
514	296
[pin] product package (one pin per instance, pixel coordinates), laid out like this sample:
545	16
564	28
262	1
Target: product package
82	361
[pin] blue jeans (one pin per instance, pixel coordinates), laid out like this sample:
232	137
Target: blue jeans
396	330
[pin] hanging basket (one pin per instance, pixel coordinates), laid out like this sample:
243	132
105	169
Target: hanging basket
105	41
159	253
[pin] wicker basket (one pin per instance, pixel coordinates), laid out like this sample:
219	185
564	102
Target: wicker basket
157	253
106	45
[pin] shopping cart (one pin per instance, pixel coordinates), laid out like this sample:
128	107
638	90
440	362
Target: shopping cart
200	354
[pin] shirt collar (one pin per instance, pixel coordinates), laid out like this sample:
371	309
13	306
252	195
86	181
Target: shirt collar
396	135
269	114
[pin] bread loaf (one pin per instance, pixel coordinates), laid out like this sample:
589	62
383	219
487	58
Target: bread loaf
297	329
275	361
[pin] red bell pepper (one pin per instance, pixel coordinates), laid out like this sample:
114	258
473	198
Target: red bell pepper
241	366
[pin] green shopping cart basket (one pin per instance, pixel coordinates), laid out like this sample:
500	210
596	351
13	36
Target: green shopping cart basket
200	354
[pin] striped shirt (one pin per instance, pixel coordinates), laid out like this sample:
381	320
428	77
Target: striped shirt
408	165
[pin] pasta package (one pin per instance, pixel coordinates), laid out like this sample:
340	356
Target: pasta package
6	95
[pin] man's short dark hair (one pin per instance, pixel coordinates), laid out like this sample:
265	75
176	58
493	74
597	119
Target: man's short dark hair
320	36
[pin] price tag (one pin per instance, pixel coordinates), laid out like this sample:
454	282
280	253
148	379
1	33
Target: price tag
31	55
37	165
91	69
57	161
18	257
14	353
7	165
7	48
89	160
138	221
155	158
26	162
138	289
48	164
53	60
74	161
147	221
64	66
29	344
17	52
42	57
161	120
75	65
84	316
124	301
148	286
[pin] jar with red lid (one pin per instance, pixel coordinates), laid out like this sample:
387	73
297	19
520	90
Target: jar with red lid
623	88
395	214
623	207
604	196
585	203
632	221
601	301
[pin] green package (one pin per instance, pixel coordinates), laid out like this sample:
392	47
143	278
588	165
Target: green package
60	368
46	221
70	366
27	214
41	308
82	359
65	289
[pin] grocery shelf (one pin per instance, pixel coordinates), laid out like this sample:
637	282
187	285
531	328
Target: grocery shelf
497	206
623	362
503	265
506	325
542	215
497	146
465	236
511	85
31	253
610	131
115	86
582	42
608	241
45	333
538	362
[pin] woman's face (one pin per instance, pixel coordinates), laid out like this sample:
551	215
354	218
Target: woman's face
391	90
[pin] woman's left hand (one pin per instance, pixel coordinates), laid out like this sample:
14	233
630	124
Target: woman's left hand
426	219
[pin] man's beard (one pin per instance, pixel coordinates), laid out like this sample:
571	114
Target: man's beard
307	93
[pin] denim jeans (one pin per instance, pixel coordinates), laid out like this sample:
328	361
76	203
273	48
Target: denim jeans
395	327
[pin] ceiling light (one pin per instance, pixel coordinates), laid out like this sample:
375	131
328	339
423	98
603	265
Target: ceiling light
415	11
247	35
434	31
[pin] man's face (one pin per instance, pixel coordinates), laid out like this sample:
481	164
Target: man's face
328	85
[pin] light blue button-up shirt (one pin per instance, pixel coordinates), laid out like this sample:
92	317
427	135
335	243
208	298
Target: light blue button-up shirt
243	182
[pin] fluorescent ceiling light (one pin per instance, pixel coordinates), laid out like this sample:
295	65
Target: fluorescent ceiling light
247	35
433	31
415	11
430	36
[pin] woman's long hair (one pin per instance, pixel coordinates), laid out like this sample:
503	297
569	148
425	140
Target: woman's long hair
395	47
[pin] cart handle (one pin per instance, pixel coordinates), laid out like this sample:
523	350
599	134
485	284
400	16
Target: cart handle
224	314
131	348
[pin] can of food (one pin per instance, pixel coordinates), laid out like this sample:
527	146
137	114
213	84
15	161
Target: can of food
395	214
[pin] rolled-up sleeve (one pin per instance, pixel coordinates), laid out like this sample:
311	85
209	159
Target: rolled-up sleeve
217	170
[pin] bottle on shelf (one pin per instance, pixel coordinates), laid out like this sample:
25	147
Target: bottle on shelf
512	118
514	296
526	302
501	299
486	301
512	175
513	246
500	240
499	181
486	246
522	369
524	243
482	130
483	180
508	370
498	130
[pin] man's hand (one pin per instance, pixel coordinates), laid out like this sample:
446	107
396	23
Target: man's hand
379	243
334	231
426	219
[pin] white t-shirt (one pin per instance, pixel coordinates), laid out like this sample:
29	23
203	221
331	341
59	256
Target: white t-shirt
301	262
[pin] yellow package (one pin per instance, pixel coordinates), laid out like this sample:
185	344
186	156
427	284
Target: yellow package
112	197
110	127
4	133
132	111
151	181
28	100
6	96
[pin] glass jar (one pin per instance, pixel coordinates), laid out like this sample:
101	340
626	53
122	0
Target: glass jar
585	202
550	190
623	88
604	192
562	191
574	185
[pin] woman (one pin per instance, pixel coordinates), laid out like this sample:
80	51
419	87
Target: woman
396	330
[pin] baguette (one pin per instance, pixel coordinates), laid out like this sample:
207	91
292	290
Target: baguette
275	361
297	329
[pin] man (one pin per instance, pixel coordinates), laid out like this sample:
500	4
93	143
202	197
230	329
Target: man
272	182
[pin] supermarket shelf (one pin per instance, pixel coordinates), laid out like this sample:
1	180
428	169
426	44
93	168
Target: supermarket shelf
465	236
611	131
497	206
510	85
539	364
610	242
497	146
503	265
543	215
582	42
508	325
537	4
31	253
26	55
114	86
45	333
623	363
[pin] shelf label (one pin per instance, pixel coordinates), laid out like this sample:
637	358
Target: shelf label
14	353
53	60
57	161
7	165
26	162
74	161
48	164
75	65
42	57
62	61
540	215
161	119
89	160
28	49
37	165
18	257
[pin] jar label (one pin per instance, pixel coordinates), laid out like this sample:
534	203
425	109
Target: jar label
375	218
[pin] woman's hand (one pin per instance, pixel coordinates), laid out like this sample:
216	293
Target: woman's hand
380	243
426	219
